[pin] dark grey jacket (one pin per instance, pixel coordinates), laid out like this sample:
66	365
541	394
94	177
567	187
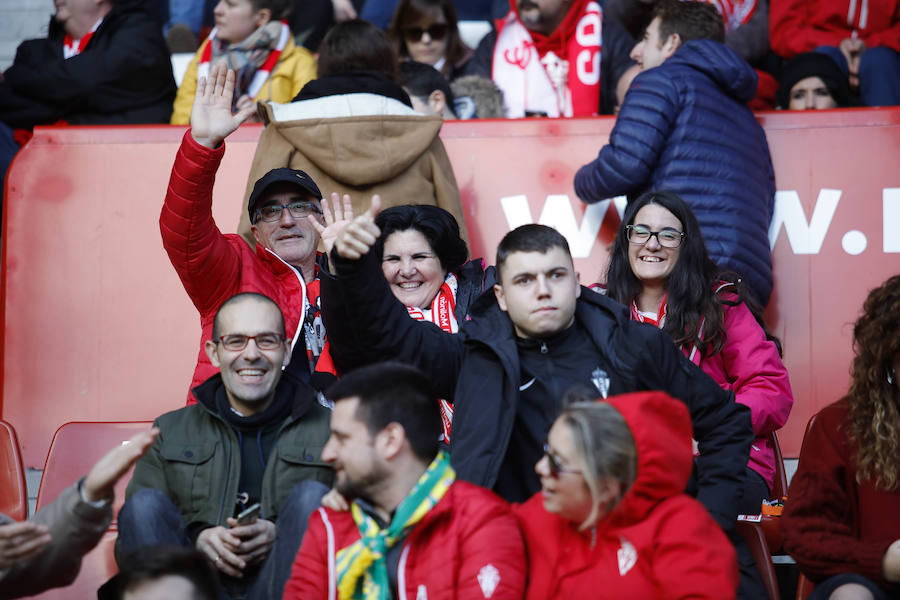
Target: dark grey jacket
196	458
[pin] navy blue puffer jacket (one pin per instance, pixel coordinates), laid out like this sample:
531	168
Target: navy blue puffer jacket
685	127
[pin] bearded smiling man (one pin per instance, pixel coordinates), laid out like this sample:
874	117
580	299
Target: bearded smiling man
413	530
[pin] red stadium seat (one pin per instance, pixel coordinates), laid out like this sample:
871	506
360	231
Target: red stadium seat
75	448
764	538
13	493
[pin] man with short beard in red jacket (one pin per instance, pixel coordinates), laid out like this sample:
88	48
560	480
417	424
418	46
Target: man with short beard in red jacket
412	530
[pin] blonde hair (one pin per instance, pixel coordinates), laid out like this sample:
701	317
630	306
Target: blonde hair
605	449
875	401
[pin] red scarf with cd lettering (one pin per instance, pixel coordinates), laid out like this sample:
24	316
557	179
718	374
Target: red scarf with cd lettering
441	314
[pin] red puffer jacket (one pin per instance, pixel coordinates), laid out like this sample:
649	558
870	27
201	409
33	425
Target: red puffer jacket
467	547
657	543
214	266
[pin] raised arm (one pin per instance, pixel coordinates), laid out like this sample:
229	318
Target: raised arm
625	164
207	262
365	321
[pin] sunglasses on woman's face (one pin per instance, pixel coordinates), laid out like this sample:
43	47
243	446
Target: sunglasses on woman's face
553	462
437	32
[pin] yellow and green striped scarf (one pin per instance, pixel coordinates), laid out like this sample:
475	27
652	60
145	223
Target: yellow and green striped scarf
361	566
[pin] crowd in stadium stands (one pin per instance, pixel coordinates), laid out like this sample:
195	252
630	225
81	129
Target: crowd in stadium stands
489	431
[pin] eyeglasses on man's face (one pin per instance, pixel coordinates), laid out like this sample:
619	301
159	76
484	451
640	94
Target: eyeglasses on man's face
437	32
235	342
299	210
640	235
556	468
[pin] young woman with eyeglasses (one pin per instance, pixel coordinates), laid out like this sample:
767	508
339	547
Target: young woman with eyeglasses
612	519
426	31
660	268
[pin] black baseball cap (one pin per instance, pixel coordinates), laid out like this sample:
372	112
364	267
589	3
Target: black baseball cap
281	175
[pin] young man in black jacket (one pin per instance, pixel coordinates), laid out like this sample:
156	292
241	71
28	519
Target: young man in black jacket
537	335
531	340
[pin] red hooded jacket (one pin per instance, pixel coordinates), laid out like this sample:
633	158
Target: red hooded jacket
657	542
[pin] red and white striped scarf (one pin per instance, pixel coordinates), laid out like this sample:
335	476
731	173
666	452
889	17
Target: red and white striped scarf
72	47
659	320
252	60
734	12
441	314
557	75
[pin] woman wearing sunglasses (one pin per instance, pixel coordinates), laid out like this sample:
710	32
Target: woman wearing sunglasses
660	268
426	31
612	519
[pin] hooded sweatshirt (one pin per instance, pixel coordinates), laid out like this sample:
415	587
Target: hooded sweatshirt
685	127
359	144
656	543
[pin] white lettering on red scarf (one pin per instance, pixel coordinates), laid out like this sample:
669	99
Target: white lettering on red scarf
734	12
539	80
441	314
262	74
75	47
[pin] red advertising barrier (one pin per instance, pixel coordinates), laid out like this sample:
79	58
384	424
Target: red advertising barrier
96	325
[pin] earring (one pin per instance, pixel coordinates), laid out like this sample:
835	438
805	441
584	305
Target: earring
891	376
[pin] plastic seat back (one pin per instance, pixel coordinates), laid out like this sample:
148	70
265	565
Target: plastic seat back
75	448
97	567
13	492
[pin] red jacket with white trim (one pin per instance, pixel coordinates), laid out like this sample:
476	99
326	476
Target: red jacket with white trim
467	547
656	544
214	266
797	26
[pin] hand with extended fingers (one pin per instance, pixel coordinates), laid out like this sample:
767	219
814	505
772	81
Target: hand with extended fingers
336	219
356	239
20	542
211	117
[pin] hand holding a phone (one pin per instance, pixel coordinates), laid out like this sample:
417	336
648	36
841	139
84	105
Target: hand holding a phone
256	539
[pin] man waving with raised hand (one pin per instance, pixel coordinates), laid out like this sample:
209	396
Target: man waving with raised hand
214	266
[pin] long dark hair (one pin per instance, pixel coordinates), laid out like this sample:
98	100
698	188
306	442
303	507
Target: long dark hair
412	10
691	287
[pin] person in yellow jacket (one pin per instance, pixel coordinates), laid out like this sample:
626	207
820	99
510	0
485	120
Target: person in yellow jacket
250	39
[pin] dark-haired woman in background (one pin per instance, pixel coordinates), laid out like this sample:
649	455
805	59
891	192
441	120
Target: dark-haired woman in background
427	31
660	268
842	520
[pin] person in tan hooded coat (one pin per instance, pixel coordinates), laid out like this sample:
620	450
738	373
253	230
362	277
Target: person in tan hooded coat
354	131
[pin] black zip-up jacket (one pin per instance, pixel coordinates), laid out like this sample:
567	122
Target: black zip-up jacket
479	368
123	76
640	357
367	324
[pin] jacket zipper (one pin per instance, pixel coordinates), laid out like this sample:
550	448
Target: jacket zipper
303	304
